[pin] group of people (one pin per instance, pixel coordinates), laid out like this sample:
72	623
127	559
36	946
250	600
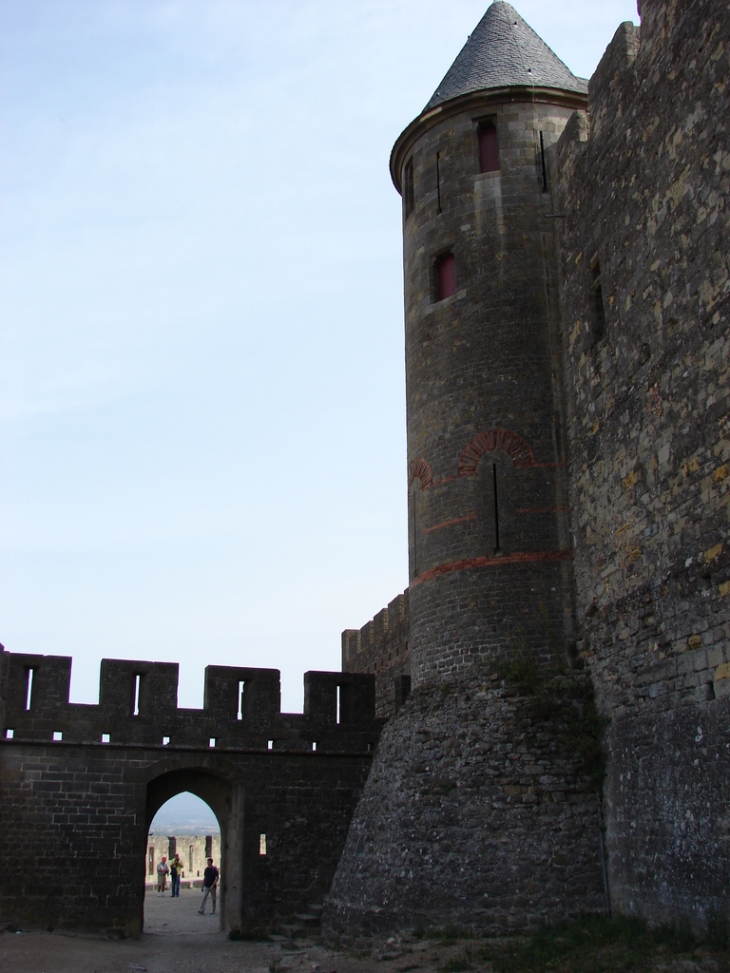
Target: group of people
175	870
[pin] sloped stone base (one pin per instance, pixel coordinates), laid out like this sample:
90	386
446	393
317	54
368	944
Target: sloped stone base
478	812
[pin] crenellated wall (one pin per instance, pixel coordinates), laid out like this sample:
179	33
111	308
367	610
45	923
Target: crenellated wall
241	707
381	647
80	784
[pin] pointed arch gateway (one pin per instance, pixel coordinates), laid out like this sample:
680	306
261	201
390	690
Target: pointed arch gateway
222	792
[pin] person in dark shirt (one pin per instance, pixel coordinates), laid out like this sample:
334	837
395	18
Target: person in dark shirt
210	886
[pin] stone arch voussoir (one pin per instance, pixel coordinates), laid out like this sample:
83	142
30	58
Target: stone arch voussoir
212	764
493	439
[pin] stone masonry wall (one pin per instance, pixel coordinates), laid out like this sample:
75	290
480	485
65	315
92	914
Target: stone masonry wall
75	812
458	820
484	817
381	647
488	522
643	184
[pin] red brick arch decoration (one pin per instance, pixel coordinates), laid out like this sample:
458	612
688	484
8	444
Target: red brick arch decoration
420	468
486	442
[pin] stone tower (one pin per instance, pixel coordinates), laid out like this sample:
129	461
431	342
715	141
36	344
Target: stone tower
489	542
472	812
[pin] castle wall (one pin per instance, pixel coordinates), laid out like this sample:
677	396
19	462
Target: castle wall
643	185
381	647
75	812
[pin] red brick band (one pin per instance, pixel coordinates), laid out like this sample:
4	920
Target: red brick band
519	557
449	523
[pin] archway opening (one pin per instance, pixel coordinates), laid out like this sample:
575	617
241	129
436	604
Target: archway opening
188	816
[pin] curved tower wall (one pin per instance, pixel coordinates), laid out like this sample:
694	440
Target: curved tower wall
484	403
479	810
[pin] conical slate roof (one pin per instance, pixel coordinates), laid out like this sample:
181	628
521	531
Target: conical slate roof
504	51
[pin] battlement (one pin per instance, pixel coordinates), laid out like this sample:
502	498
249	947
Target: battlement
613	86
611	91
381	647
138	706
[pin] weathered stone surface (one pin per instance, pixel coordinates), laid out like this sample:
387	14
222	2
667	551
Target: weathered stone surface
477	812
75	812
569	467
644	185
382	648
489	543
627	378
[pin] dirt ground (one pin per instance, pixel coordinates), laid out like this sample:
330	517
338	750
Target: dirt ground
178	940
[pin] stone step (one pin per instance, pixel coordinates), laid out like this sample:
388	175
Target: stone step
307	920
316	909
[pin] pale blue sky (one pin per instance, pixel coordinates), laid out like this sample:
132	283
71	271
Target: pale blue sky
185	812
203	443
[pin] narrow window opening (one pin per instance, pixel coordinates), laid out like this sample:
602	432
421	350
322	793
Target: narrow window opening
438	182
137	684
544	167
314	744
262	844
105	738
488	147
409	196
211	742
165	741
57	735
445	277
599	316
208	846
29	688
339	703
270	745
151	862
190	858
496	509
9	734
241	691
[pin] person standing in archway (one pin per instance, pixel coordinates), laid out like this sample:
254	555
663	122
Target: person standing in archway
163	870
176	870
210	886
